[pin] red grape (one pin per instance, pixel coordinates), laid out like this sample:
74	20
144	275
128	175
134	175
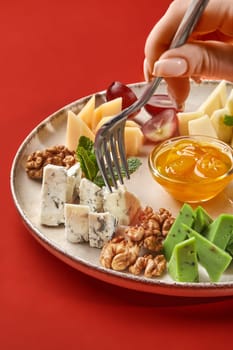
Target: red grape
163	122
117	89
162	126
158	103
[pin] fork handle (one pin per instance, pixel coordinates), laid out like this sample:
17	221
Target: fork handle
189	21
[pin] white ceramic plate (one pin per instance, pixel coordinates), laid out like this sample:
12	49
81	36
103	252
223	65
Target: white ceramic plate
26	194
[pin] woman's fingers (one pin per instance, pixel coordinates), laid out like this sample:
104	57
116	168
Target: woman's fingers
178	90
215	23
212	60
201	59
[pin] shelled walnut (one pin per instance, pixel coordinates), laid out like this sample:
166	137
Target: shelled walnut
56	155
119	254
127	251
152	266
151	229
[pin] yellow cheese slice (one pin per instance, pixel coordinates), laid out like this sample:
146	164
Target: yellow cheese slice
216	100
76	127
202	126
229	103
110	108
134	139
184	118
133	136
87	112
224	132
129	123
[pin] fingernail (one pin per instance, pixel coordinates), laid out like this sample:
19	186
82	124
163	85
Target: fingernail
170	67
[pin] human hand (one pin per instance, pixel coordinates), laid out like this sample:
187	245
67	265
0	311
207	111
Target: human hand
207	54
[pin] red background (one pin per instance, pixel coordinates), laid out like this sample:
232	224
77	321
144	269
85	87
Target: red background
54	52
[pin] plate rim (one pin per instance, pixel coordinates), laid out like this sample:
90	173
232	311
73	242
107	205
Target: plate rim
121	279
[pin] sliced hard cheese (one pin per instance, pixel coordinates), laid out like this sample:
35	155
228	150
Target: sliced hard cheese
131	123
224	132
202	126
184	118
76	127
216	100
87	112
134	139
104	120
229	103
110	108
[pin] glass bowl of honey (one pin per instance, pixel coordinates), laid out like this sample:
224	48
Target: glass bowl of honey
192	168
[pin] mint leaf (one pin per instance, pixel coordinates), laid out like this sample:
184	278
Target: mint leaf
87	163
99	181
86	156
86	143
133	165
228	120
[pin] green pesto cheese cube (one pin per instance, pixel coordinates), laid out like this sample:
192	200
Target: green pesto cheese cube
229	247
183	265
214	259
202	219
220	230
175	234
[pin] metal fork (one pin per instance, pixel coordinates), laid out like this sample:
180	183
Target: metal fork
109	141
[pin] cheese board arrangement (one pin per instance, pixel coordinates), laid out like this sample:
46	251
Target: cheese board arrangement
138	236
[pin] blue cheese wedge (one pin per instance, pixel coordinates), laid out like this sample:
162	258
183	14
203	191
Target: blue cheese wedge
74	175
101	228
76	222
54	195
90	194
122	204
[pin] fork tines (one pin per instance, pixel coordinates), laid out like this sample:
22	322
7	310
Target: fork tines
110	153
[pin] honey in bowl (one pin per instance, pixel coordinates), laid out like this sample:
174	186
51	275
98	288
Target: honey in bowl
193	168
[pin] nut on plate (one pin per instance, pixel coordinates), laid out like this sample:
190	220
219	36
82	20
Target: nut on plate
56	155
128	251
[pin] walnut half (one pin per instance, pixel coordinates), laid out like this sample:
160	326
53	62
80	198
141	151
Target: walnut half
127	252
57	155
